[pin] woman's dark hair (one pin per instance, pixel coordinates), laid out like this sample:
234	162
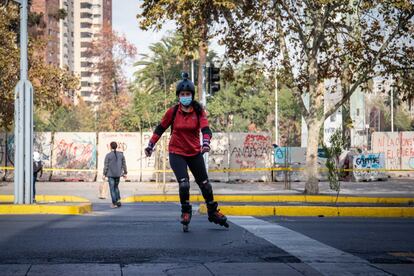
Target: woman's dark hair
198	108
114	145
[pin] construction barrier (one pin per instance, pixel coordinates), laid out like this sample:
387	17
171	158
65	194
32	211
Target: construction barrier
233	157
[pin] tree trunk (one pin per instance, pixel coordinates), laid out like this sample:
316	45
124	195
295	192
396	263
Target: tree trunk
311	186
346	124
202	52
186	65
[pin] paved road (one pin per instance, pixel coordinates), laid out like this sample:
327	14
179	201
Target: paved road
144	239
89	190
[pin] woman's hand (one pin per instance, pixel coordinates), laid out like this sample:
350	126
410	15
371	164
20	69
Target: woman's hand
149	149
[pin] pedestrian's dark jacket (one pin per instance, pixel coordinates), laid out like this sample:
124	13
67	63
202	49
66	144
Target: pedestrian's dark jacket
37	167
115	165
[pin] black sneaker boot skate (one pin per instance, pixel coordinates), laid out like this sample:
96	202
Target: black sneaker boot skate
186	213
215	216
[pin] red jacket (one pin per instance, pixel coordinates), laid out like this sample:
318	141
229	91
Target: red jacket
185	138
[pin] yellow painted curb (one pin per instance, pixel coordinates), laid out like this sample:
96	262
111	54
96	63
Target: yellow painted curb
274	198
34	209
160	198
48	198
314	211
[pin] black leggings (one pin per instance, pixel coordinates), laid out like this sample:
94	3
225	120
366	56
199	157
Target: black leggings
179	164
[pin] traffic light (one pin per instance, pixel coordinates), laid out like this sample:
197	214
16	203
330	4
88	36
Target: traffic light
213	79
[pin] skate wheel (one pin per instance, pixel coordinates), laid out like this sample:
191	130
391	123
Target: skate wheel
185	228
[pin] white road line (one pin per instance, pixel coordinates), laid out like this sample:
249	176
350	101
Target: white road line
324	258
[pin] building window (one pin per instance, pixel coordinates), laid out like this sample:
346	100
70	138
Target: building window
332	118
357	112
86	74
86	94
86	34
86	5
86	15
86	25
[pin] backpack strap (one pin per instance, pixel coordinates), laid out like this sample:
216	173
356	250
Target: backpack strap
175	113
173	117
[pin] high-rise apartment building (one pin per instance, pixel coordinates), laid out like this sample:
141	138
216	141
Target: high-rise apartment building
67	39
69	27
48	13
90	17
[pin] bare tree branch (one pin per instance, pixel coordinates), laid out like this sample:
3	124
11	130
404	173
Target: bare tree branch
297	26
286	59
364	76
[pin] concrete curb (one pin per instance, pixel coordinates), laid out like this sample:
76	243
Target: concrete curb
48	198
83	206
315	211
274	198
35	209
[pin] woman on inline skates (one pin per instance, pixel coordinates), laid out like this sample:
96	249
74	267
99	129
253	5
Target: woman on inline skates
186	119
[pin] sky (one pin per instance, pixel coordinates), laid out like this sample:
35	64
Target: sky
124	22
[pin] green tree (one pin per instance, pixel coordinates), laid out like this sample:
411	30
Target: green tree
50	83
194	21
322	45
333	152
154	85
66	118
243	100
111	52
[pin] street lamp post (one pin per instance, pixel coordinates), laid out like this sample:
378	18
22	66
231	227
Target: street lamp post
23	121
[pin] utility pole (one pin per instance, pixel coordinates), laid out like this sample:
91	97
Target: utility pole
23	120
276	111
204	104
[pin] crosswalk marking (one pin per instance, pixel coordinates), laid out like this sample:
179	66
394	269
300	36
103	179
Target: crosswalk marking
324	258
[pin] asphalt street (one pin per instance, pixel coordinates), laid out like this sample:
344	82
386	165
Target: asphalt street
147	239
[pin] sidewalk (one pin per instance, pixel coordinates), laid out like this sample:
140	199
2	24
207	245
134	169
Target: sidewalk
89	190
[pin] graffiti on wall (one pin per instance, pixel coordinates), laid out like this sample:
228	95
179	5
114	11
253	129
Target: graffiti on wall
218	157
295	158
74	151
249	150
374	161
389	144
128	143
9	155
43	144
398	149
147	163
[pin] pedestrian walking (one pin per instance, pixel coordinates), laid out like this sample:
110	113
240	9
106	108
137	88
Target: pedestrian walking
114	168
186	119
37	171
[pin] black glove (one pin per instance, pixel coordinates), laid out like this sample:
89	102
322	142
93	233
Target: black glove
149	149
